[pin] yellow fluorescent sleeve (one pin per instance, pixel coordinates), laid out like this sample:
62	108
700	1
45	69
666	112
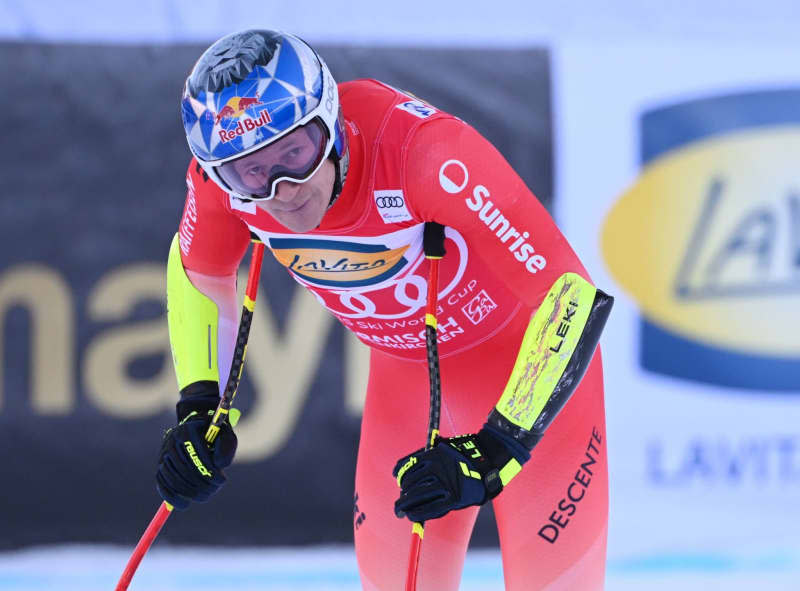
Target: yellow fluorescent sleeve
547	347
193	324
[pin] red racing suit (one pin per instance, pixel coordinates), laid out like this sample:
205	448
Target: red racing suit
411	163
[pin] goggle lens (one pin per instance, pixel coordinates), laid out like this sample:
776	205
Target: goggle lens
295	157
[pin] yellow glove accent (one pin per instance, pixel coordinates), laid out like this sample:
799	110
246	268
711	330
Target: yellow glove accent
511	469
192	319
411	461
469	473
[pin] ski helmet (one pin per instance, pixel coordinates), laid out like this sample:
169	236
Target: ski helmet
260	107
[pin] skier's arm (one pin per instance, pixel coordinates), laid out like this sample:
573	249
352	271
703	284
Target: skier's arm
556	350
470	469
462	181
201	285
201	313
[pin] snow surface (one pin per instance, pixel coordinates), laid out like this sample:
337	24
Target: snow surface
95	568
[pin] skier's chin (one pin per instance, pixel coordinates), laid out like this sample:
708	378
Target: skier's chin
303	218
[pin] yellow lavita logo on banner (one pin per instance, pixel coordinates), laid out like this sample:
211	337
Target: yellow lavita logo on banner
708	242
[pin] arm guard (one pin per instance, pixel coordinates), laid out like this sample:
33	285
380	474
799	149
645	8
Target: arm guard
556	350
193	323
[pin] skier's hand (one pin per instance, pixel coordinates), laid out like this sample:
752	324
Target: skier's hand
188	470
456	472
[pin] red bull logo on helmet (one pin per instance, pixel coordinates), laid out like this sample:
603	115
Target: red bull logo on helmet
234	109
244	126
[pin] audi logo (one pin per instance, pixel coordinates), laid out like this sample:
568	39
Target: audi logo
385	202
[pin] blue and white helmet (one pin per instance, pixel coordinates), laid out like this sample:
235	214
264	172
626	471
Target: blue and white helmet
249	90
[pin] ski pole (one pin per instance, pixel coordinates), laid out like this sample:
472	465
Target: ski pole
220	416
433	246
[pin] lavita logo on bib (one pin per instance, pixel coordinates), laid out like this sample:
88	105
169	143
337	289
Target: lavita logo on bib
708	241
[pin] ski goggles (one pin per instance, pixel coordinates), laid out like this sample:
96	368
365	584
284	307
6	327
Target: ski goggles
294	157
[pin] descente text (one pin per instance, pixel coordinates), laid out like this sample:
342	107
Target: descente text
577	489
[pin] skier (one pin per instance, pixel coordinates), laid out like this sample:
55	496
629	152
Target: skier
338	181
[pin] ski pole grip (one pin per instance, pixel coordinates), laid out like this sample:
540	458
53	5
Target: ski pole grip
433	240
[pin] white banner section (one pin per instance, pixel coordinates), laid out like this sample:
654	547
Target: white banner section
678	183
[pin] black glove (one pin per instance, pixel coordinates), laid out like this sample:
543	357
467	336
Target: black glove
456	472
188	470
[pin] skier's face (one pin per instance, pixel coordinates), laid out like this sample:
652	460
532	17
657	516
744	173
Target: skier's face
301	206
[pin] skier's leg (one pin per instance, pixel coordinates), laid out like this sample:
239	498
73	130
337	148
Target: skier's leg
552	518
394	424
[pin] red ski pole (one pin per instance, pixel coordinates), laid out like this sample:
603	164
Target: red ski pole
433	244
220	416
144	545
